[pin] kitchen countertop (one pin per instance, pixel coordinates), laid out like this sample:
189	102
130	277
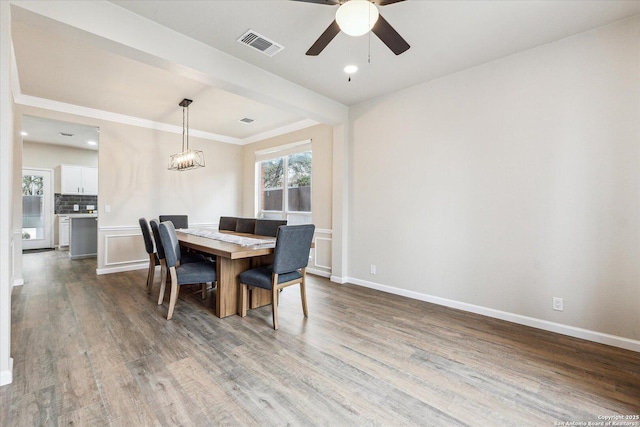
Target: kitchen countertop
81	215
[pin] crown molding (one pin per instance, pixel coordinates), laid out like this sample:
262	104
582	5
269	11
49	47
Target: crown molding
62	107
302	124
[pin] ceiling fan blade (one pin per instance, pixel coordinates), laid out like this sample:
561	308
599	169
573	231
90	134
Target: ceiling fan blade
389	36
327	2
386	2
324	39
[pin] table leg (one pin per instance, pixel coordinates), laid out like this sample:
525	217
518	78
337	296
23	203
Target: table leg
228	292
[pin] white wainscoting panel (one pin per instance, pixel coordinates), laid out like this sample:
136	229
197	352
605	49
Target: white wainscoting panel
124	249
321	255
121	248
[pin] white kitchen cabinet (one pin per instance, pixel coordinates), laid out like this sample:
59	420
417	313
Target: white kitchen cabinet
63	230
78	180
90	181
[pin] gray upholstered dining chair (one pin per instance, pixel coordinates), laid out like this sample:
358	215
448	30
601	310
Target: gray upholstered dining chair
182	273
291	256
153	256
179	221
186	258
246	225
227	223
268	227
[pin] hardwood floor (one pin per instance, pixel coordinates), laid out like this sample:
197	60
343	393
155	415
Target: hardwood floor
96	350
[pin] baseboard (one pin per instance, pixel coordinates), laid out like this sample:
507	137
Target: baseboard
122	268
18	282
598	337
339	280
6	377
317	272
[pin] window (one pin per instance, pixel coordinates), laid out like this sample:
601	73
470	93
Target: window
284	183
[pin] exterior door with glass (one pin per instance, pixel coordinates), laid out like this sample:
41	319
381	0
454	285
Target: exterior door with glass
37	215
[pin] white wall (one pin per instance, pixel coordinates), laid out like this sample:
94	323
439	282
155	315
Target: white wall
500	187
49	156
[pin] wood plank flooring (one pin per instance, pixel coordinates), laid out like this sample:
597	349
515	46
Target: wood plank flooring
97	351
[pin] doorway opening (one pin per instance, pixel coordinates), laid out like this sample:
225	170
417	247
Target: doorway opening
37	209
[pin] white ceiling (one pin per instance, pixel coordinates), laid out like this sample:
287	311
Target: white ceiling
68	65
60	133
445	36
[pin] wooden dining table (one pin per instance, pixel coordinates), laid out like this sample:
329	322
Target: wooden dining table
231	260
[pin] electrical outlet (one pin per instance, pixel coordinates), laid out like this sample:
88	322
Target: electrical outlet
372	269
76	207
558	304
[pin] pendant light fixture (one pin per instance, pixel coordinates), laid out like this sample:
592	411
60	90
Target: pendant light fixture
187	159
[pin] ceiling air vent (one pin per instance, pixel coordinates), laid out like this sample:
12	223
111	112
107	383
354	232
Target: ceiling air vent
247	120
260	42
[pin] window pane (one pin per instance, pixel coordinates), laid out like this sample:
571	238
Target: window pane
299	182
32	207
272	175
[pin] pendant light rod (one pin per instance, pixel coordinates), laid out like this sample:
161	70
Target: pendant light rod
185	129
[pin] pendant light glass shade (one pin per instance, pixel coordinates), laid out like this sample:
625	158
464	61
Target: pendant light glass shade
357	17
187	159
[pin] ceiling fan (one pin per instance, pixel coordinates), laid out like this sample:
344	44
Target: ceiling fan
351	11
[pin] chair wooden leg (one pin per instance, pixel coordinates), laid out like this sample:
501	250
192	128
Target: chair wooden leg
274	307
274	300
174	292
151	273
303	295
242	309
204	291
163	280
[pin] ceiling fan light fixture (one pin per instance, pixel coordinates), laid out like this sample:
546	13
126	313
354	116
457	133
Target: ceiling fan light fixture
357	17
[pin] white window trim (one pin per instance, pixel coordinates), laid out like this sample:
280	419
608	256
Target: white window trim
275	153
283	150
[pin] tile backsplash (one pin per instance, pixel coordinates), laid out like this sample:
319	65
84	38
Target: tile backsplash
63	203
